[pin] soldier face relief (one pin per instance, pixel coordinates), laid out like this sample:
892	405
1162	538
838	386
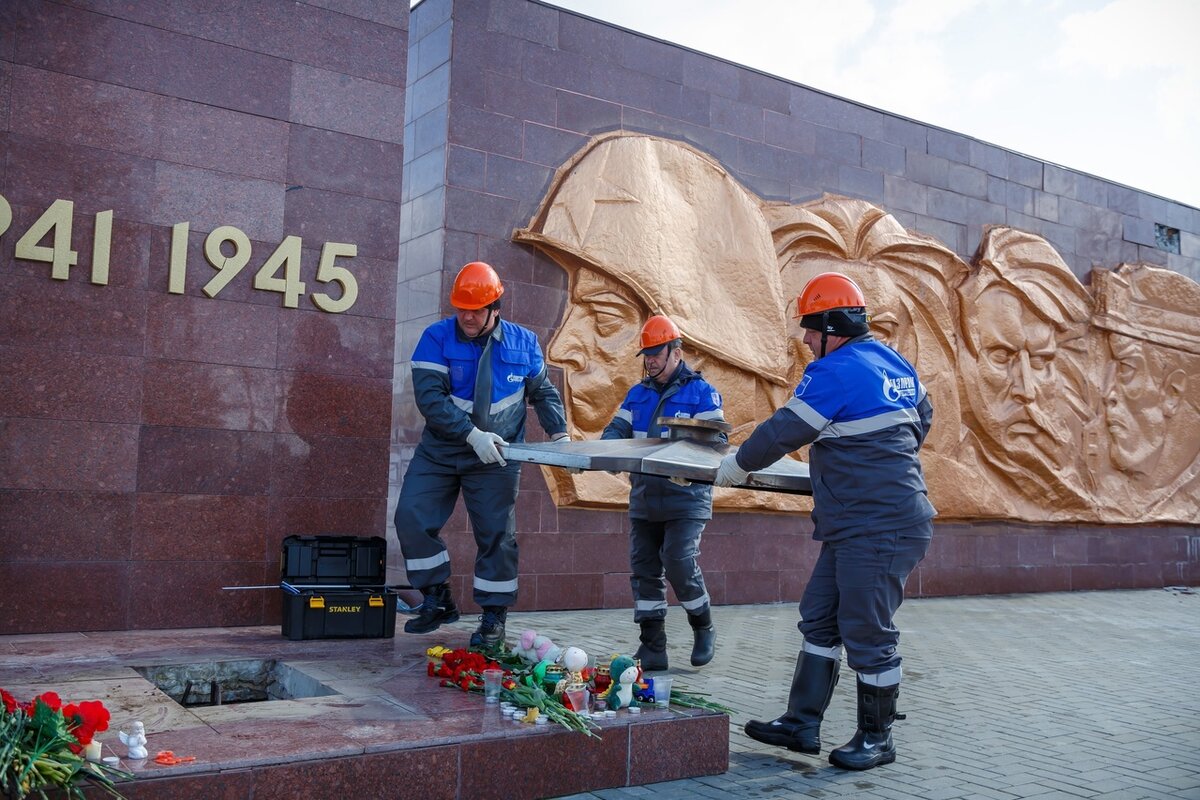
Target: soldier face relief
1136	407
596	346
1017	380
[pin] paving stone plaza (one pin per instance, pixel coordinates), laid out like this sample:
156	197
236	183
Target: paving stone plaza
1061	695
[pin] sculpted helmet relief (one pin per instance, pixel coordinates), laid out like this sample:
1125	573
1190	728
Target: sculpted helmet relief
1054	401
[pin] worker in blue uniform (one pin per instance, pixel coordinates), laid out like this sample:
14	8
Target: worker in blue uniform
472	375
666	518
865	413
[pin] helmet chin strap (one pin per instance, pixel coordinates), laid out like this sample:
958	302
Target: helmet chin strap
824	332
487	321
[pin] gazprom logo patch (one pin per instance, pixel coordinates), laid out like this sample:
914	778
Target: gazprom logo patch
896	388
515	378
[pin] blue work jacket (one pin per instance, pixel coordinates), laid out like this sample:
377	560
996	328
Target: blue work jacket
686	395
865	413
444	364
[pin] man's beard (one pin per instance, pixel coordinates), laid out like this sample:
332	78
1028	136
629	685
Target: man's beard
1049	428
1044	449
1040	469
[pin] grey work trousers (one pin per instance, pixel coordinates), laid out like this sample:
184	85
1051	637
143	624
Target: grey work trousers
427	497
855	589
661	551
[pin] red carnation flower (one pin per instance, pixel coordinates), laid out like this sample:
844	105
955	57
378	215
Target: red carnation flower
95	714
50	699
85	719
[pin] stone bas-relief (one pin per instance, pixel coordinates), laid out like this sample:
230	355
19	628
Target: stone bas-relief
1025	379
1150	332
1054	401
644	225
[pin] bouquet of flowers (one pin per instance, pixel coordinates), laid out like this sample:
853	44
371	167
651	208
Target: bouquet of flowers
524	684
463	669
41	746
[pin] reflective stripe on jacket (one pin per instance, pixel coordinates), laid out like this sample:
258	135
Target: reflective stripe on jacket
865	413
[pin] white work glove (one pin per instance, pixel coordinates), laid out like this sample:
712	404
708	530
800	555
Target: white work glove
679	481
565	437
729	473
484	443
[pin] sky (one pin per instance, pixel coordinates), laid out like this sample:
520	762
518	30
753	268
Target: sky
1106	87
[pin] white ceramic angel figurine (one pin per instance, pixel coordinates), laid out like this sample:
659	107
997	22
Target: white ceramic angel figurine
135	741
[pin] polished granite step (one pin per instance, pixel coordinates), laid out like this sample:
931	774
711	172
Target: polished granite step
385	729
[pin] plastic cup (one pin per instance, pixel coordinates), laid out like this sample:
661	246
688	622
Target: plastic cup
491	685
662	690
577	698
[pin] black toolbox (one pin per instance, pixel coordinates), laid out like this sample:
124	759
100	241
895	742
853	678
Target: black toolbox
333	588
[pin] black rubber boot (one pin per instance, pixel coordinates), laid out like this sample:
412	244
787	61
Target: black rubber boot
872	744
704	638
653	651
437	609
799	730
491	627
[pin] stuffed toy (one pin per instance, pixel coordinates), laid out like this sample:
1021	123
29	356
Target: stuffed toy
574	660
533	648
624	675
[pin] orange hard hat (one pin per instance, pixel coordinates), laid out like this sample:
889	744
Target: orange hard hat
476	286
658	331
828	291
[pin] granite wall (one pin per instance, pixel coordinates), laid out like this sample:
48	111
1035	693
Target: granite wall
160	432
157	439
505	91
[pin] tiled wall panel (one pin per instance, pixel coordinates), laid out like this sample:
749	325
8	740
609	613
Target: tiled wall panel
156	447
